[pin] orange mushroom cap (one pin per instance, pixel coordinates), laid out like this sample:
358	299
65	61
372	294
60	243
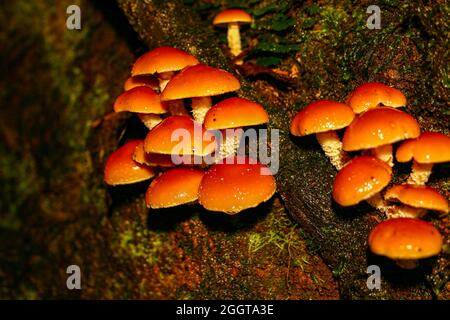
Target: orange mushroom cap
233	187
180	135
372	94
321	116
140	99
200	81
360	179
405	238
140	81
163	59
429	147
120	168
418	197
377	127
232	15
174	187
235	113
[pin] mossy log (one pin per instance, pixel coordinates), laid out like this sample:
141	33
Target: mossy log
305	176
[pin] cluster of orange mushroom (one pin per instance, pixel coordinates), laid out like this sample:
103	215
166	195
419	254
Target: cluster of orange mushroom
165	84
373	123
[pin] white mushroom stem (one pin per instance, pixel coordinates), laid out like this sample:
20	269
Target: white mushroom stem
234	39
177	108
332	147
164	78
408	264
420	173
150	120
380	204
384	153
200	106
231	139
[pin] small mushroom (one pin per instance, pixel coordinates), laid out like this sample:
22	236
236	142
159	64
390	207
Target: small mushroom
164	62
236	185
405	240
323	118
373	94
362	178
234	113
425	151
416	199
378	129
182	138
200	82
120	168
174	187
233	18
145	102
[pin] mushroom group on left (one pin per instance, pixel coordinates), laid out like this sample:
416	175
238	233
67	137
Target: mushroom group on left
179	148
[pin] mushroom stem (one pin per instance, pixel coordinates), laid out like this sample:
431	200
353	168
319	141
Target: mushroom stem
177	108
420	173
200	106
150	120
164	78
380	204
407	212
234	38
408	264
229	144
332	146
384	153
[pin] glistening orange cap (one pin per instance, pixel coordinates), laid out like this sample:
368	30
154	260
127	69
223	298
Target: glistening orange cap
174	187
372	94
321	116
360	179
180	135
200	81
429	147
235	113
232	15
405	238
163	59
418	197
236	185
379	126
140	99
120	168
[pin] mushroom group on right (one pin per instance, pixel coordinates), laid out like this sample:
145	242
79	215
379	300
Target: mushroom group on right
364	159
